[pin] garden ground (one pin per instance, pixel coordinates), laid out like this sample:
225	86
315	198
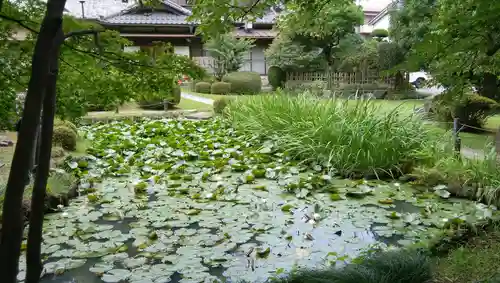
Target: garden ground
475	260
58	186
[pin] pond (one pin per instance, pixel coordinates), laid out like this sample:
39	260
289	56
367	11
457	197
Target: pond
196	201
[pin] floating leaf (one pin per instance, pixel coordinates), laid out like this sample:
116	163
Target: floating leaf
263	253
287	207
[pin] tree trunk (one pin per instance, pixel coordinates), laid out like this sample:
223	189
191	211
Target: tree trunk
33	258
399	82
12	220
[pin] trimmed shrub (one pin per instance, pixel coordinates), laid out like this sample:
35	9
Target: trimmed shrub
382	33
220	88
208	79
276	77
66	123
244	82
202	87
473	109
64	137
220	104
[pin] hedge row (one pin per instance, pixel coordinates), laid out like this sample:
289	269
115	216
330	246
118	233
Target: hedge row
234	83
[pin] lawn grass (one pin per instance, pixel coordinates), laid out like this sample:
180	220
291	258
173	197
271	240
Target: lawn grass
187	104
478	259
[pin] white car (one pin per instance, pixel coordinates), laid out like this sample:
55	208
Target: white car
418	79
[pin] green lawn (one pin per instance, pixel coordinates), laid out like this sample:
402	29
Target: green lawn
187	104
476	260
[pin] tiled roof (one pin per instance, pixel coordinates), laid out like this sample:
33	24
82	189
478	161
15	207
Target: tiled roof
94	9
155	18
255	33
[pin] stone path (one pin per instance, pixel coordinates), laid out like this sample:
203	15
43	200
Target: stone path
197	98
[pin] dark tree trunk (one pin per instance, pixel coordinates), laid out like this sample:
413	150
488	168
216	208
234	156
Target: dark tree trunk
399	82
12	220
33	258
489	86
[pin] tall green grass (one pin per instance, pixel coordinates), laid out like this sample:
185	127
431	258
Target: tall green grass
388	267
354	138
466	177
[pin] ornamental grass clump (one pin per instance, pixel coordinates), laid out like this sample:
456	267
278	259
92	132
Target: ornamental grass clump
388	267
352	137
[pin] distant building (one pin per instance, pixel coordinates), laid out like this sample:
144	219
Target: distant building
169	23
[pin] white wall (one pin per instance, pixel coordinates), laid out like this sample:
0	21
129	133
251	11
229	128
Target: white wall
131	48
383	23
182	50
373	5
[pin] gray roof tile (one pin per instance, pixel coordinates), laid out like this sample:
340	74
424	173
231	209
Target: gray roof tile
95	9
155	18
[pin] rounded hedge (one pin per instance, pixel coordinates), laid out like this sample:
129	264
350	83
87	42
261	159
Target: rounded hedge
276	77
244	82
64	137
202	87
66	123
220	88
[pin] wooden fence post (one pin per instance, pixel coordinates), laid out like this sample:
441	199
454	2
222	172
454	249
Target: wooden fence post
456	138
497	145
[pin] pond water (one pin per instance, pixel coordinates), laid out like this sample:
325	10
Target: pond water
170	201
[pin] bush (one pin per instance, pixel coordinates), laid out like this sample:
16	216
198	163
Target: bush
354	137
176	96
378	90
471	110
382	33
388	267
208	79
276	77
220	104
155	101
202	87
316	88
64	137
244	82
66	123
220	88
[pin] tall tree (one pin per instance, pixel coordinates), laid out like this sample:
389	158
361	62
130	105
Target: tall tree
322	24
12	222
228	52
